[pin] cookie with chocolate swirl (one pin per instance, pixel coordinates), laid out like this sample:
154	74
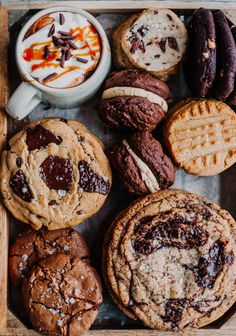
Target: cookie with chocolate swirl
169	260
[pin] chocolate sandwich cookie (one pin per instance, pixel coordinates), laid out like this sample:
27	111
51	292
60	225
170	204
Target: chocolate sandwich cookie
201	65
55	173
200	136
226	57
62	295
133	100
141	165
33	245
170	259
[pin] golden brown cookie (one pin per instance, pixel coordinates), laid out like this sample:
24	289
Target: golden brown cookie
31	245
201	136
55	173
169	259
62	295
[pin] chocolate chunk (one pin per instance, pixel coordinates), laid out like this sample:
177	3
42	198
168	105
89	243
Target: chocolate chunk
64	120
19	162
137	44
39	137
176	231
226	55
173	311
90	181
173	44
211	264
162	45
57	173
53	202
143	30
20	186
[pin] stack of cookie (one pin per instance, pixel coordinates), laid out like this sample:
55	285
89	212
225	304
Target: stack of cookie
61	291
169	260
136	101
211	65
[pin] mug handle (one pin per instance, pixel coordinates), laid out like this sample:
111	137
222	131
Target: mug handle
22	101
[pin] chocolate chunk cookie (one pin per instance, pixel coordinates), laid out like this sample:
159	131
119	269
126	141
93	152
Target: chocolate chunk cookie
201	65
169	259
55	174
199	136
33	245
141	165
226	56
154	40
61	295
133	100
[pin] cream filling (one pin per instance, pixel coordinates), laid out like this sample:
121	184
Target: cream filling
146	174
131	91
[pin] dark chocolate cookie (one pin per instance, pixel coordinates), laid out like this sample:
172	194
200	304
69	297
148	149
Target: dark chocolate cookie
201	65
33	245
170	260
231	100
133	100
226	58
54	173
141	165
61	295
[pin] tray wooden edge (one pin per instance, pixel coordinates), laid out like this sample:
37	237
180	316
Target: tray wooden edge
4	93
9	323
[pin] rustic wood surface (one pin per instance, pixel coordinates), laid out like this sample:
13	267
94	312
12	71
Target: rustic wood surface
220	189
3	132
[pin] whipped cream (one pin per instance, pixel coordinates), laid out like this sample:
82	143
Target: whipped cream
43	59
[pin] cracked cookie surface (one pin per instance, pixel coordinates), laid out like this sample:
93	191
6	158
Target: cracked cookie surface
169	260
55	174
61	295
33	245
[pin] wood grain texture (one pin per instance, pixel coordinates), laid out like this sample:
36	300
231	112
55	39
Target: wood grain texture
3	131
119	6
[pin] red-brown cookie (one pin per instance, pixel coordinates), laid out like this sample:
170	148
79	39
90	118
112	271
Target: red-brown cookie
61	295
32	245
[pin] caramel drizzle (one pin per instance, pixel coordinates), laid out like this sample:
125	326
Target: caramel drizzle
87	35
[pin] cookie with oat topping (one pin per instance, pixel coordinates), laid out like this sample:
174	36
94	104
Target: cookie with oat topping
31	245
169	260
62	295
55	173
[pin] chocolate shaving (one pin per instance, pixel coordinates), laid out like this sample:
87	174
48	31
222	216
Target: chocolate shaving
173	44
52	30
61	19
67	55
55	40
52	75
162	45
46	52
62	62
82	60
63	33
72	45
66	38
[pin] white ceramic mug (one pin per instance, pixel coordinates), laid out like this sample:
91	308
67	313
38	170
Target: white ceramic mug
30	92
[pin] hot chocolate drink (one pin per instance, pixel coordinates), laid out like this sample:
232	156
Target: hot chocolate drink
61	50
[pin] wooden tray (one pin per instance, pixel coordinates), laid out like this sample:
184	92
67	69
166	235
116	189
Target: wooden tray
221	188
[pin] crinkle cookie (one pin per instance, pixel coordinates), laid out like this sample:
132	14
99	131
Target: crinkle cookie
62	295
154	40
54	173
169	260
31	245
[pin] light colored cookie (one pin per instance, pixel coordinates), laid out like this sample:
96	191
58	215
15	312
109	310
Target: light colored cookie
201	136
54	174
170	259
120	59
155	41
